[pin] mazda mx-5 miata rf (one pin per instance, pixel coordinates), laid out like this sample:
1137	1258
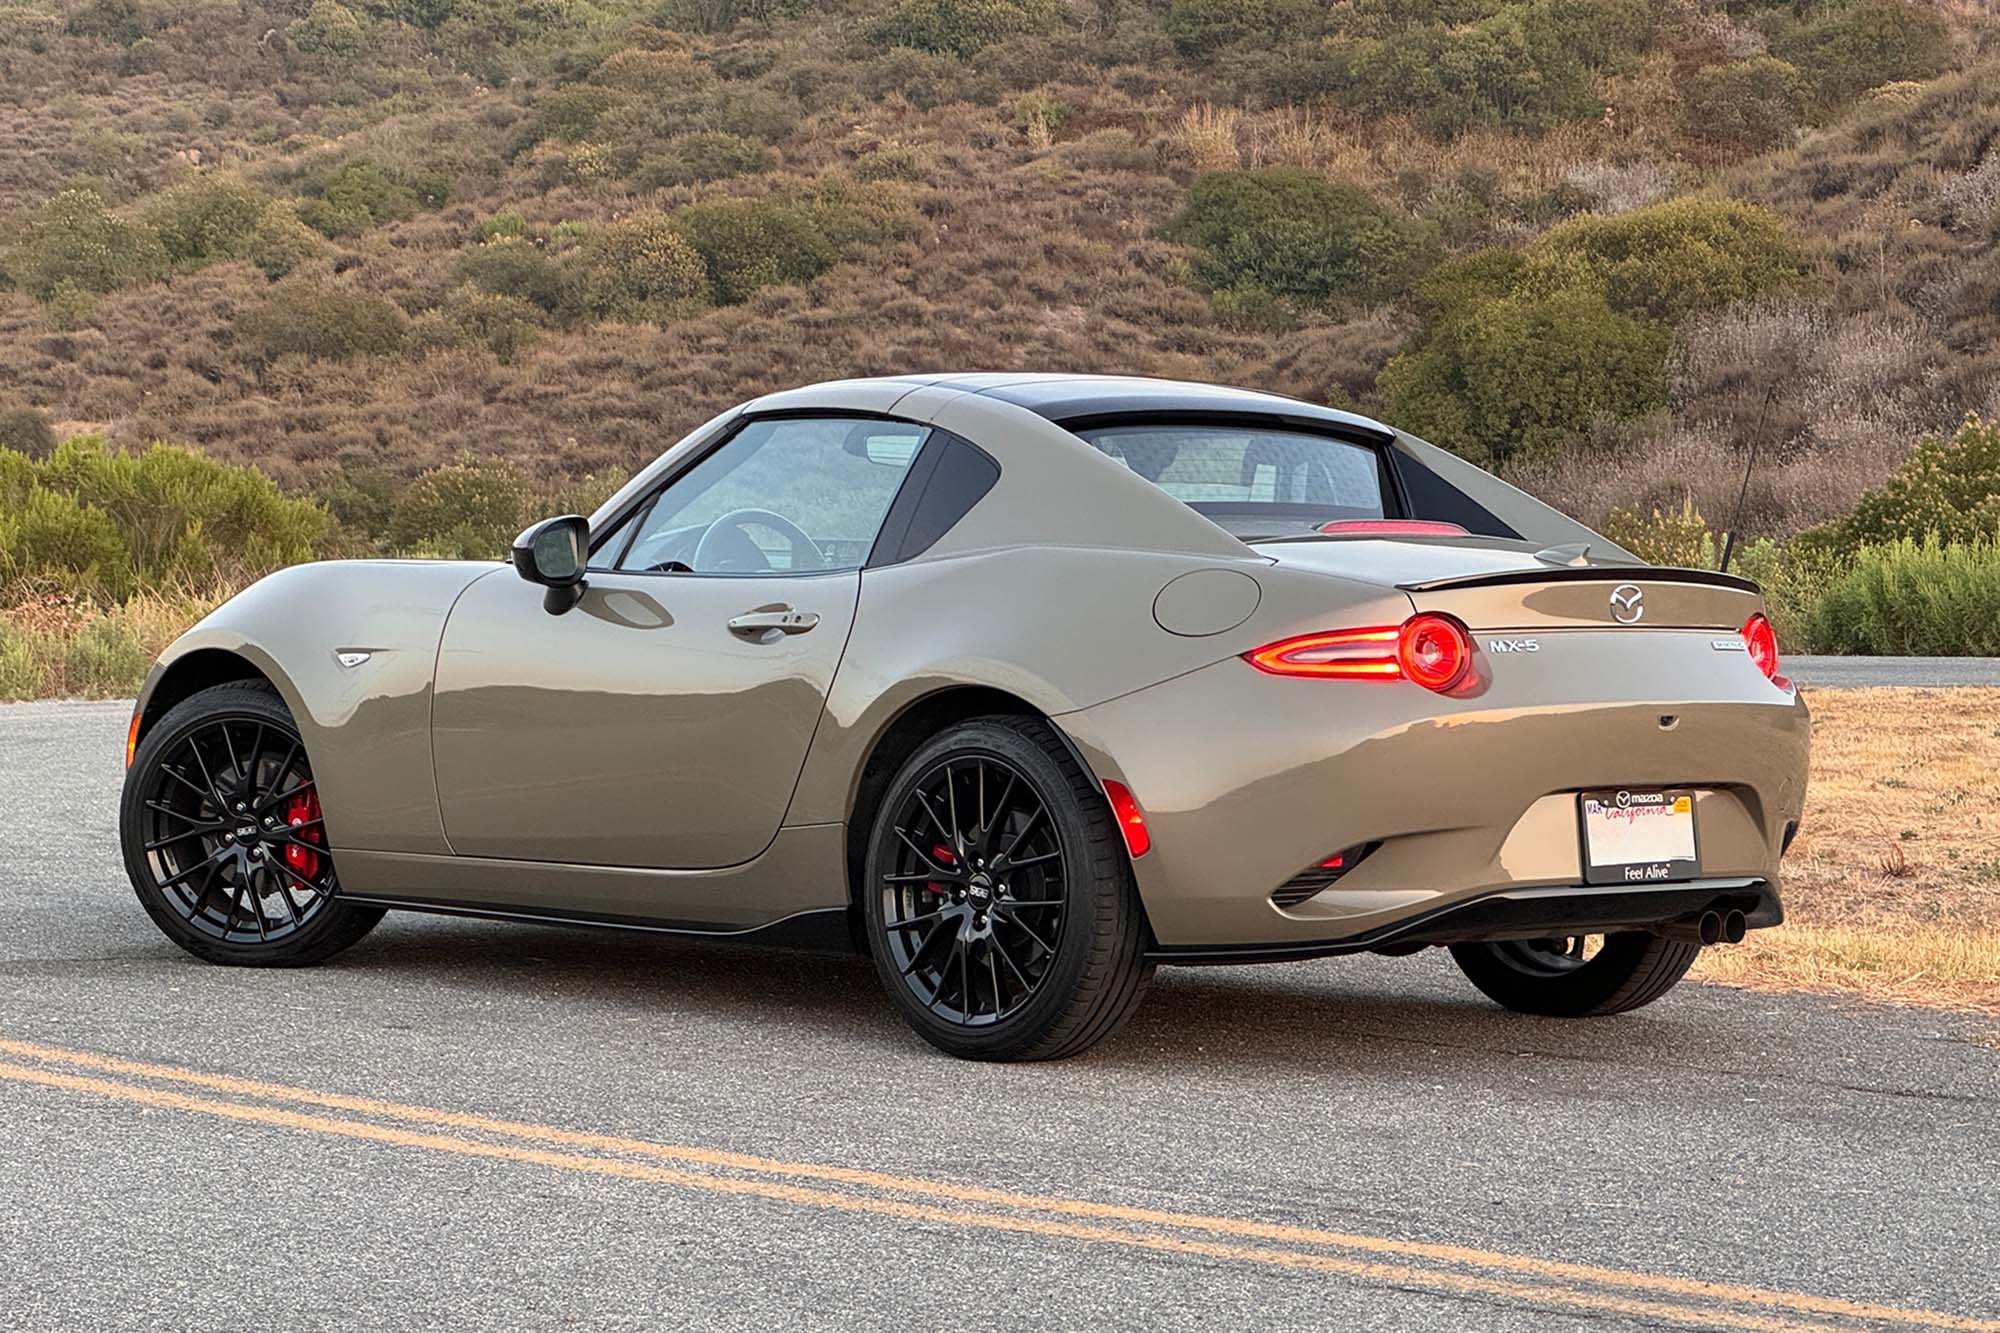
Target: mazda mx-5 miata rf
1023	684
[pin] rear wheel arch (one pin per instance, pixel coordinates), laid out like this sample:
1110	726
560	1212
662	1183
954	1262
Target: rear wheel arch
904	736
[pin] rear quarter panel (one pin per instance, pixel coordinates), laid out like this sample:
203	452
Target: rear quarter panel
1247	778
367	728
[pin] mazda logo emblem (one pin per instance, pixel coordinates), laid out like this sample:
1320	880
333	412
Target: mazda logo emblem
1628	603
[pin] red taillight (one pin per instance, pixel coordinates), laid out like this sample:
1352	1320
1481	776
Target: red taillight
1131	819
1762	641
1347	653
1391	527
1434	651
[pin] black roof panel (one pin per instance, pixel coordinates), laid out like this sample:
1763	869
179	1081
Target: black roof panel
1076	398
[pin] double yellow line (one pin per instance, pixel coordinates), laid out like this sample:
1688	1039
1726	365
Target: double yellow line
1450	1270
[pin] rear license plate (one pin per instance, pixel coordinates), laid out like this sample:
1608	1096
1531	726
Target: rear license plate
1638	836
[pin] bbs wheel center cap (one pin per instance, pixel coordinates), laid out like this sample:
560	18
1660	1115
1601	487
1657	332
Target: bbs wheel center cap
980	891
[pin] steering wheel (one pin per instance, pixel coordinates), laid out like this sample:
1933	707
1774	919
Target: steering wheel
733	523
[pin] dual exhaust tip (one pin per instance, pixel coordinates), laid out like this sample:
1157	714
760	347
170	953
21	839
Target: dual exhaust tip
1710	927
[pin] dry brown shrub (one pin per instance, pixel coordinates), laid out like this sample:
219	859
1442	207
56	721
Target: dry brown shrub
1207	134
1618	187
1661	463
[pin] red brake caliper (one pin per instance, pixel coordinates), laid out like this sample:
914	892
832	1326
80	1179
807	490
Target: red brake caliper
303	809
942	855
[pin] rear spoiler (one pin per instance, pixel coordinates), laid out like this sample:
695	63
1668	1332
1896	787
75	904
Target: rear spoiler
1587	574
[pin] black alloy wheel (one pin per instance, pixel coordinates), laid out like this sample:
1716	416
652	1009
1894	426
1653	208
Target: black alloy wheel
225	839
973	908
999	899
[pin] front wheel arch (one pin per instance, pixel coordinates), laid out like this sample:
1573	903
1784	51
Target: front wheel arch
191	673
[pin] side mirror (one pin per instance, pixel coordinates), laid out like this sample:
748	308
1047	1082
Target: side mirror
553	553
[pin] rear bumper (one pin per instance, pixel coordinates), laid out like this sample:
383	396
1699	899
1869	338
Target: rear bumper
1247	779
1520	914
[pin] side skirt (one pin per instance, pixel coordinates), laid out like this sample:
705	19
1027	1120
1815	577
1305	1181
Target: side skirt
823	930
800	872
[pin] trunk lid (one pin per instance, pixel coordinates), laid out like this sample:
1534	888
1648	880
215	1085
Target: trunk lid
1491	583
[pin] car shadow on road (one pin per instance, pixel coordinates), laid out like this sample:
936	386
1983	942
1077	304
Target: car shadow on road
1365	1013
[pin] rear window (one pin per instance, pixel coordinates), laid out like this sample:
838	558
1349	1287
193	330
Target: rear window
1252	480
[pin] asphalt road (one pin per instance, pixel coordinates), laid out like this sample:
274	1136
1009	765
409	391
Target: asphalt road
470	1125
1842	672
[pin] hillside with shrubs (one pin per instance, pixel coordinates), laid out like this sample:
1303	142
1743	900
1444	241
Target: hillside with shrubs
285	278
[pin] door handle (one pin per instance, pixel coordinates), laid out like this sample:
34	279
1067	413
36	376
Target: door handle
786	619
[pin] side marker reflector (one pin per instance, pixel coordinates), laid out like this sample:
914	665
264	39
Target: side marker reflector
1131	819
132	739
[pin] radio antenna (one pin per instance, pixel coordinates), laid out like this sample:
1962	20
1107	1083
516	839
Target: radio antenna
1756	437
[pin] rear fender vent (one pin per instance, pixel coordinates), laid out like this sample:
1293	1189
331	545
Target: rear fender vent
1319	876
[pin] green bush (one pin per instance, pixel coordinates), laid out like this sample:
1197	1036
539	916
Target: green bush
206	218
328	33
53	542
1746	104
281	243
360	497
1680	538
321	321
109	20
71	306
722	15
745	244
27	432
1462	281
1679	258
1923	599
1794	578
75	240
1524	66
1201	28
571	114
469	317
1519	355
106	525
891	161
516	267
640	267
708	155
1525	375
469	510
1301	237
1950	486
359	195
1846	49
961	27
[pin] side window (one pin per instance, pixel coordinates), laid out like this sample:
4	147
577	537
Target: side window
782	496
606	552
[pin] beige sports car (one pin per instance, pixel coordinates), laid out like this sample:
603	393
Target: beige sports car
1021	684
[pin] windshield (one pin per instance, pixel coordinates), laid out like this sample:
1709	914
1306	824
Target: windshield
1253	481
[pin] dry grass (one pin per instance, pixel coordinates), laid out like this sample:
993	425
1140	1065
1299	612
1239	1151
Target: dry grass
1892	889
54	648
1947	969
1208	136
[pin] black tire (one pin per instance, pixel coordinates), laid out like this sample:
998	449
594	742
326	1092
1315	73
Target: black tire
211	884
1631	969
1049	998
